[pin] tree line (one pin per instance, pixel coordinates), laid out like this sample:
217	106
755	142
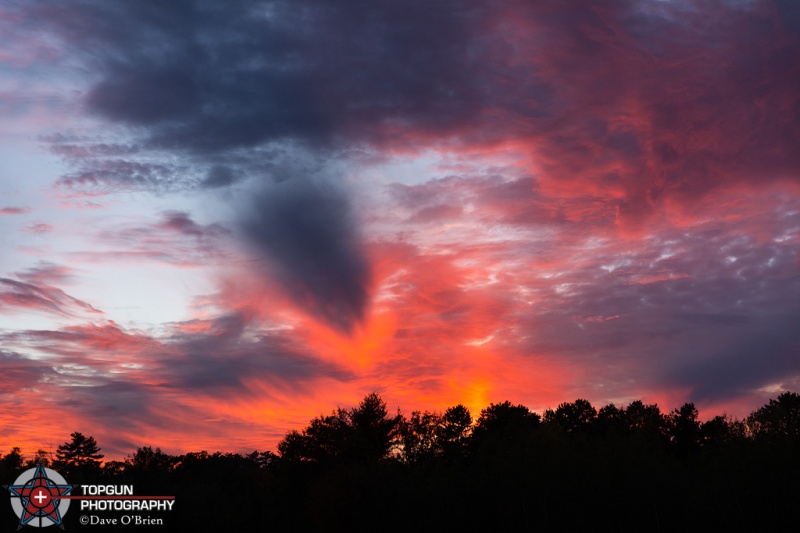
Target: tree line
571	468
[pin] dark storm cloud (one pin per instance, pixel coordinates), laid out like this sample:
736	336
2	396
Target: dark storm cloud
206	76
306	233
655	99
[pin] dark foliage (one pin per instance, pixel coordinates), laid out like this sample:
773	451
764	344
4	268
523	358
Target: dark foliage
80	459
360	469
363	434
779	419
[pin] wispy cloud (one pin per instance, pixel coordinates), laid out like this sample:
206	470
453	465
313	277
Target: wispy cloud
32	290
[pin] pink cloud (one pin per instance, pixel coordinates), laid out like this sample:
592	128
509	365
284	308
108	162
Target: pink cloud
39	228
36	295
14	210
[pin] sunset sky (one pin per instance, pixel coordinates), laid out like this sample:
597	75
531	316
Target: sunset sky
219	220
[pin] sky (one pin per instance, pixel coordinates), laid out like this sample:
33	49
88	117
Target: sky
219	220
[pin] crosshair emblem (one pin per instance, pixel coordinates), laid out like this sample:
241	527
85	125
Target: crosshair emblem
36	497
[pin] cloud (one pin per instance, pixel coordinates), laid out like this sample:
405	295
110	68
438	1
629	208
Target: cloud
764	355
176	239
218	361
611	208
39	228
32	291
14	210
130	385
219	176
306	234
635	105
101	176
46	273
305	72
180	222
274	74
20	372
563	304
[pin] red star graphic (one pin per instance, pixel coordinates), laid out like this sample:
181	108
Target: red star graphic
40	497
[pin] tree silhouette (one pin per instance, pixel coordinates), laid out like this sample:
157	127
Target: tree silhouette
503	426
645	420
576	416
428	436
420	437
148	467
42	457
373	430
325	439
779	418
146	458
684	428
12	461
499	417
81	456
720	430
455	430
338	473
365	434
610	419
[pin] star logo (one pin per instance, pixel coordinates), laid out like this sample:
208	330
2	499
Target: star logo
36	497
